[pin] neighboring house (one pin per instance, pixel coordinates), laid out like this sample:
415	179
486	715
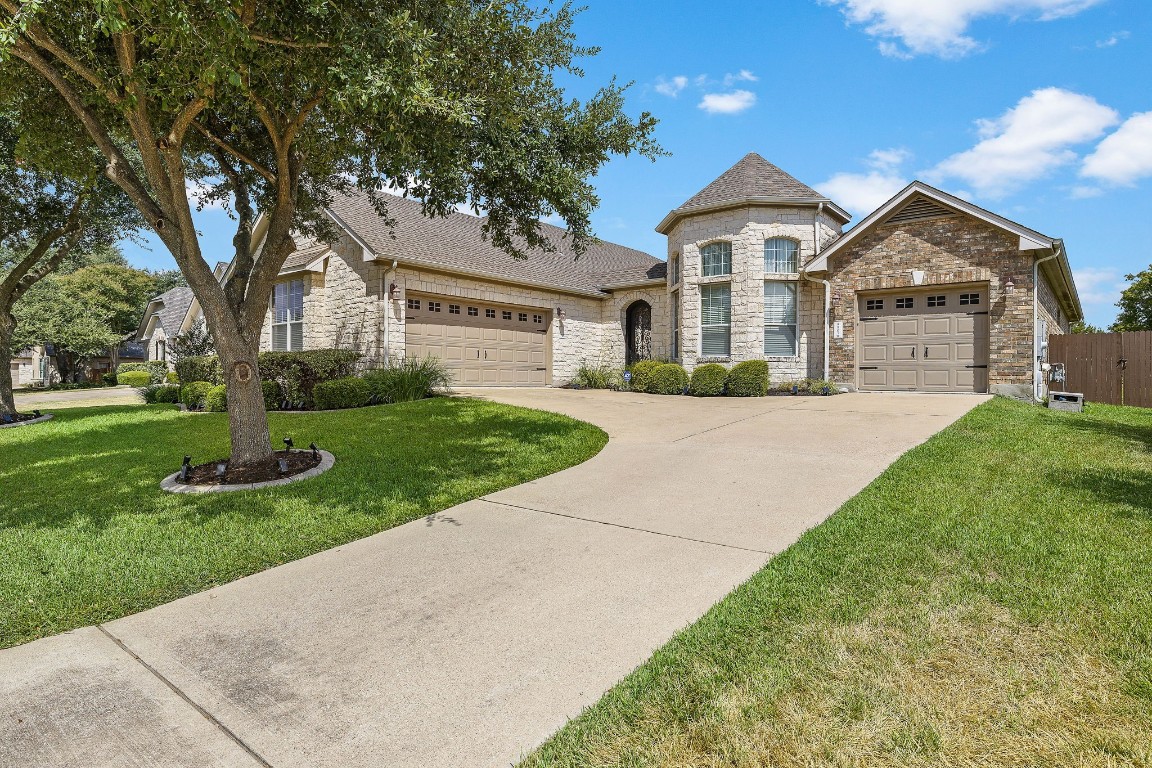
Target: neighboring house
928	293
171	313
32	367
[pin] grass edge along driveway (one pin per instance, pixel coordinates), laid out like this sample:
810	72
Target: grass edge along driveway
86	535
985	601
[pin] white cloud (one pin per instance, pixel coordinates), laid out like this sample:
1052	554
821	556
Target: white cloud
862	193
1125	156
671	87
1112	40
1028	141
1098	287
1085	191
938	27
727	103
741	76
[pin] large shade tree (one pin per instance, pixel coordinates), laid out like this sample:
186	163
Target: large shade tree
1135	303
54	209
276	106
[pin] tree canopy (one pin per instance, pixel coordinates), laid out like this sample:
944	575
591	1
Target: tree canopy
1135	303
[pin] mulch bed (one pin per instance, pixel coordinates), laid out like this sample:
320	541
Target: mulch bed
298	461
19	417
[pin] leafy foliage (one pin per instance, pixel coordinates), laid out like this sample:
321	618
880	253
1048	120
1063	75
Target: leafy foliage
273	397
708	380
298	373
161	393
156	370
641	372
597	377
193	393
748	379
216	399
668	379
1082	327
194	342
408	380
349	392
1135	303
134	378
199	368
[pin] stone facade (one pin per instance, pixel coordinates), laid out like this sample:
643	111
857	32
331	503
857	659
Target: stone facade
948	250
746	228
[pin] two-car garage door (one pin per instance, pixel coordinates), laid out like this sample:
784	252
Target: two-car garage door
933	340
479	343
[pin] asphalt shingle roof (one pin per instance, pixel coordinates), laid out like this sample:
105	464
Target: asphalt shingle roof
456	242
175	305
306	252
753	176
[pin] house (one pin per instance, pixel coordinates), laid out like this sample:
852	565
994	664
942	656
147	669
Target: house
37	366
167	315
31	367
927	293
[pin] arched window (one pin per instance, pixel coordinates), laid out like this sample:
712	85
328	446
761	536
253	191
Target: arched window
781	255
716	259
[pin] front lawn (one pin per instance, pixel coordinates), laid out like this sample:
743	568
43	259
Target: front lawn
986	601
87	536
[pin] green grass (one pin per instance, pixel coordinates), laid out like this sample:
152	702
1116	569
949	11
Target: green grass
87	536
986	601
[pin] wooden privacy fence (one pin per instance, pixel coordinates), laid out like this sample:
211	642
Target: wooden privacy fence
1111	368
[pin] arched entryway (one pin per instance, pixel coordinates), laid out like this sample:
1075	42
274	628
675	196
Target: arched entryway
638	331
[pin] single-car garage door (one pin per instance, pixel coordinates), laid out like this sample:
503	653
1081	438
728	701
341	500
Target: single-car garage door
929	340
481	344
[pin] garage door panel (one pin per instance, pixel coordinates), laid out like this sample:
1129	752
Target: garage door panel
966	378
874	378
937	378
965	324
939	351
938	326
904	377
902	352
877	329
905	327
874	353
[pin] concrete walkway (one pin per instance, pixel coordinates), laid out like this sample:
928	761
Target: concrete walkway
467	638
27	399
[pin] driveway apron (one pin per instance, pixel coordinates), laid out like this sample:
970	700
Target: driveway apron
468	637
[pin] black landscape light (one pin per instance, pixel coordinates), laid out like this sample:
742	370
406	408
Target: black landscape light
185	468
287	443
315	451
35	413
7	418
221	468
282	466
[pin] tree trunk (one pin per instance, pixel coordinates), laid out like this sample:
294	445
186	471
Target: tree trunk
247	419
7	328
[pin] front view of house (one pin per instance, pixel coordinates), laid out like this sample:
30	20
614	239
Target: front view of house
927	293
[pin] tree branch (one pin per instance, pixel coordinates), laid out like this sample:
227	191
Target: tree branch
219	142
286	43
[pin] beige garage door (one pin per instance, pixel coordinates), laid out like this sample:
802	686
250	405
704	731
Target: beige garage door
933	340
481	344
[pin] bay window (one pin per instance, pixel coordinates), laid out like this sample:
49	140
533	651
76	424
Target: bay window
780	318
716	259
781	256
716	320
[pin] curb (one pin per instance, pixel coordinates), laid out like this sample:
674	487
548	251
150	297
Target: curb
172	485
27	423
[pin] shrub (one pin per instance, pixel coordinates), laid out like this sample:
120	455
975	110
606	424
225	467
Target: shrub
297	373
668	379
216	400
807	387
157	370
641	372
597	377
273	397
348	392
161	393
171	378
409	379
207	368
748	379
109	378
708	380
193	393
134	378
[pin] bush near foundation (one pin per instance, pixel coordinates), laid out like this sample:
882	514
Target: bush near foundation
157	370
349	392
216	400
668	379
641	373
203	368
134	378
273	397
597	377
407	380
193	393
708	380
298	373
748	379
161	393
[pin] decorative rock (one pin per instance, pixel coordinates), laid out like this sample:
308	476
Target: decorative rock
172	485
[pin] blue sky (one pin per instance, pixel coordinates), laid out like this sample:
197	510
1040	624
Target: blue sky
1039	110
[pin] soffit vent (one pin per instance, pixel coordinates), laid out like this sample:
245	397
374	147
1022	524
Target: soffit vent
917	209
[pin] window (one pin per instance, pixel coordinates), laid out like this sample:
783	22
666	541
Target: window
537	319
716	259
937	301
905	303
779	318
676	325
969	299
288	316
874	305
674	269
473	312
413	303
522	316
506	315
780	255
161	350
490	313
453	309
716	320
433	306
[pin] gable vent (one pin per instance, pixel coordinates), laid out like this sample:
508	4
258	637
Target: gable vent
919	208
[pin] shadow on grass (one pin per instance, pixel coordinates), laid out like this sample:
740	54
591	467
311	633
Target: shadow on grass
1128	490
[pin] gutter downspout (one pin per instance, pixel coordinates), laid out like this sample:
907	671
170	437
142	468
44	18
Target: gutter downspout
1036	342
387	309
827	291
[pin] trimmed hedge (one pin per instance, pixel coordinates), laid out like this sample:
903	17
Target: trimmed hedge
216	399
748	379
157	370
134	378
193	393
668	379
348	392
273	397
297	373
641	373
171	378
206	368
161	393
708	380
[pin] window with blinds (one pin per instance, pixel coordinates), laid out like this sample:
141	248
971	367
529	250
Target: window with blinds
716	259
676	325
780	318
715	320
781	255
288	316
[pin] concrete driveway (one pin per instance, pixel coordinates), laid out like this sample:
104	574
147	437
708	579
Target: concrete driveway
467	638
27	399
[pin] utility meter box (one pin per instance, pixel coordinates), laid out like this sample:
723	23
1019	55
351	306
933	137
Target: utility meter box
1066	401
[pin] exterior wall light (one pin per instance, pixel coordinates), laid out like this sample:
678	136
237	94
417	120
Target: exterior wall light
1009	287
392	289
